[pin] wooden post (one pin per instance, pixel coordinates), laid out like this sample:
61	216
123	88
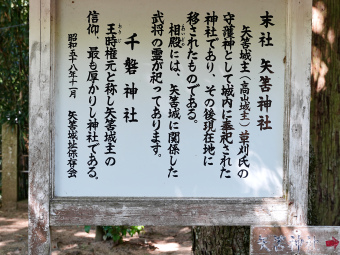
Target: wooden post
39	238
298	153
9	167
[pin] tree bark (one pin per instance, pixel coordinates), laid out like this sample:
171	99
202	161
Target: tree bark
324	173
220	240
99	234
9	167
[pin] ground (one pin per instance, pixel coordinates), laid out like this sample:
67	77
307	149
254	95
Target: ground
75	241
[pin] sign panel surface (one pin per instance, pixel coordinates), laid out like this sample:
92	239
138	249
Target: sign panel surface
169	98
297	240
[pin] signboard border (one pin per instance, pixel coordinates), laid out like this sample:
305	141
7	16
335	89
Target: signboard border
45	210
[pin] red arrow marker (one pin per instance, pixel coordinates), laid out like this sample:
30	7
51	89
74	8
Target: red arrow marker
333	242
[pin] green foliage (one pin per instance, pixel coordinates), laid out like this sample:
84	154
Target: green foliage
87	229
116	233
14	57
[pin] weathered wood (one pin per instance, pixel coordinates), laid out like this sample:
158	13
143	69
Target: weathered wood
300	13
39	150
127	211
294	240
325	115
9	167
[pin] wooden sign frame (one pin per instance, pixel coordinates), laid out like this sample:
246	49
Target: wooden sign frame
46	210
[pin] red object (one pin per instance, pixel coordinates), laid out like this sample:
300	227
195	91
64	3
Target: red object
333	242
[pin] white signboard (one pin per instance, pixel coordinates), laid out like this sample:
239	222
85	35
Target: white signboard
169	98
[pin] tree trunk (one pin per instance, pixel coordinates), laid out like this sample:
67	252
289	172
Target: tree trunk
99	234
9	167
220	240
324	197
324	174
